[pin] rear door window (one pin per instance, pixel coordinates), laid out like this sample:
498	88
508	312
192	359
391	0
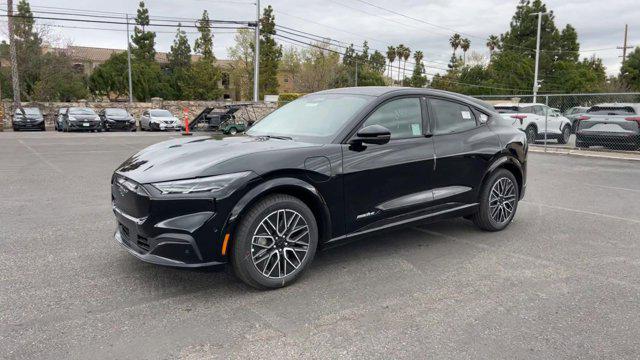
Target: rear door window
451	117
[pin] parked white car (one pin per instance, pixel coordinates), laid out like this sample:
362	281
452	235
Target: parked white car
534	119
159	119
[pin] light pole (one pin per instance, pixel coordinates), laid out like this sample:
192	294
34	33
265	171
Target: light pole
129	62
256	61
535	76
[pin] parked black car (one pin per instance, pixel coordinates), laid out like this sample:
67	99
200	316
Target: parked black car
117	119
324	169
59	120
31	119
81	119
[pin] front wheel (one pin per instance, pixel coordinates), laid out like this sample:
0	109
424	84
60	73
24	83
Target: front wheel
498	201
566	133
233	131
275	242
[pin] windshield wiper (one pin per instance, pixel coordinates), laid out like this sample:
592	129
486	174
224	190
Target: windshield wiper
280	137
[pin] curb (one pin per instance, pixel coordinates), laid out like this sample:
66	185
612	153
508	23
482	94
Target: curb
585	153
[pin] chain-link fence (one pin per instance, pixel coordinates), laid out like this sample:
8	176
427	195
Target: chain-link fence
608	121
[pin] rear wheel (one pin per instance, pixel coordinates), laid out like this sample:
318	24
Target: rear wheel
564	137
532	134
498	201
233	131
275	242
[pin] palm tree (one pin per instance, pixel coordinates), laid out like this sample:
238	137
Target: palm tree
464	45
405	56
454	41
492	43
399	54
391	56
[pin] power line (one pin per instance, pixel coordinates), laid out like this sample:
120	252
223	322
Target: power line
397	67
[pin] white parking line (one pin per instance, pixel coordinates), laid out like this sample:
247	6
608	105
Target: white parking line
613	188
636	221
41	158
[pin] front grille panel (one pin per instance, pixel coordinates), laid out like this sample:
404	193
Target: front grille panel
129	197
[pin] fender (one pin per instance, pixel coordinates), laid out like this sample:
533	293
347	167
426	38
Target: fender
273	185
511	160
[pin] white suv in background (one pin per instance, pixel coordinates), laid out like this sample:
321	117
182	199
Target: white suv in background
531	118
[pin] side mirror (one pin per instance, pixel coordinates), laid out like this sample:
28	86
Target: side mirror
372	134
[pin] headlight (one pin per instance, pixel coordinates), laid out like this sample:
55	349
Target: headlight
221	185
72	118
97	118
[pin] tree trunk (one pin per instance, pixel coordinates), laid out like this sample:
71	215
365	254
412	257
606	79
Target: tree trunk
15	80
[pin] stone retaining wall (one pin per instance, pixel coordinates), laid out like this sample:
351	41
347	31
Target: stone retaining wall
253	112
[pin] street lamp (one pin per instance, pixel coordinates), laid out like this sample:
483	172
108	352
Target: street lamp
535	76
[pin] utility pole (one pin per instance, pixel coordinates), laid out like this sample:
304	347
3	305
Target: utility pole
356	73
535	76
256	61
624	45
15	80
129	62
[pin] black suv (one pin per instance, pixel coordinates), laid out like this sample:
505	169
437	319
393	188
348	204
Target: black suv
327	168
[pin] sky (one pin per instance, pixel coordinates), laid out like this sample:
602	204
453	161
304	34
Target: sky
600	24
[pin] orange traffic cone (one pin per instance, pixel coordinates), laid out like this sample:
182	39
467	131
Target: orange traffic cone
186	132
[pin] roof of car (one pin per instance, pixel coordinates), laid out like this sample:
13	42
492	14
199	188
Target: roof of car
377	91
634	105
518	104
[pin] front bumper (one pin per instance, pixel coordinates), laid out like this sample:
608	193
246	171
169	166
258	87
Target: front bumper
180	232
608	138
27	125
119	125
80	125
165	127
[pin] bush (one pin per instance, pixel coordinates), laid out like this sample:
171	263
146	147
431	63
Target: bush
288	97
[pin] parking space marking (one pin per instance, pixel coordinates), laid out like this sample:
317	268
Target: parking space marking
613	188
636	221
37	154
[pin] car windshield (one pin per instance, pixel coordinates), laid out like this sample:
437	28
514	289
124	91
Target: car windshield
29	111
611	110
81	111
116	112
507	109
160	113
315	118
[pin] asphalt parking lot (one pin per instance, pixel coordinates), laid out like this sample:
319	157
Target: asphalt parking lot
563	281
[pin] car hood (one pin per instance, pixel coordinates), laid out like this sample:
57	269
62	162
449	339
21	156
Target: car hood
118	118
84	117
164	118
185	158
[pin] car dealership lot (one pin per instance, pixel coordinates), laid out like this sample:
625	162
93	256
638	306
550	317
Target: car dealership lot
562	281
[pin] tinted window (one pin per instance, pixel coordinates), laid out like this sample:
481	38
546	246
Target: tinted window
116	112
160	113
316	118
611	110
403	118
527	110
452	117
81	111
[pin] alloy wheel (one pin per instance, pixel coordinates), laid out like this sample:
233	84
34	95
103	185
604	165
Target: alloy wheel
502	200
280	243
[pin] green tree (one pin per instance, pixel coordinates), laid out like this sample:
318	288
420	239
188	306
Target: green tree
110	79
630	71
28	48
204	43
455	41
391	56
377	62
418	78
493	43
242	55
143	41
58	80
179	55
465	44
203	81
270	54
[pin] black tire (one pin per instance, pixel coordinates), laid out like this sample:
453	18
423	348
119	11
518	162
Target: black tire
532	134
242	249
484	218
566	134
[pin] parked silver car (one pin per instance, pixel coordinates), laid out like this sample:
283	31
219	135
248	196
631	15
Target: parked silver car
159	119
614	125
